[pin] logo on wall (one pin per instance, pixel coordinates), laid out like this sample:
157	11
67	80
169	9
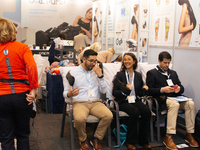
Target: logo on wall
53	2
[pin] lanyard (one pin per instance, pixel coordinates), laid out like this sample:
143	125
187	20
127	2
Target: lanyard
128	78
164	73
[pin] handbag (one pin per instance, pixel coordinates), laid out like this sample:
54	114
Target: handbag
70	78
123	133
121	86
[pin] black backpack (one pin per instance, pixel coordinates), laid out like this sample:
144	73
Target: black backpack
197	127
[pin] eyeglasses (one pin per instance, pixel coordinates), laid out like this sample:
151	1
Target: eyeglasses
92	61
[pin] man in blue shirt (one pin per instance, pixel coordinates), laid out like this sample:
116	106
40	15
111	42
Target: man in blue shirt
85	93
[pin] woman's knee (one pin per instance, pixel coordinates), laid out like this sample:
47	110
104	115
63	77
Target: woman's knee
135	114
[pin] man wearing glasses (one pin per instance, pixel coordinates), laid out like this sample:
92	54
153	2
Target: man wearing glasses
85	93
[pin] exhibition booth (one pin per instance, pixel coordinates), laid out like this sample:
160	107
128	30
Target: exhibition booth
142	27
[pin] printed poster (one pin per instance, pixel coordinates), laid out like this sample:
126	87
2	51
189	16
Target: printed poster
187	30
162	22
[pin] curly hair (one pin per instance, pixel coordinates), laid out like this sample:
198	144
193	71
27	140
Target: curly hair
123	67
8	31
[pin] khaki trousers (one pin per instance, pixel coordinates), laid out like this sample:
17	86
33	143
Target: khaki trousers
81	110
173	107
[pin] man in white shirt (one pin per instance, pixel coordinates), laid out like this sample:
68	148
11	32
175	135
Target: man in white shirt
85	93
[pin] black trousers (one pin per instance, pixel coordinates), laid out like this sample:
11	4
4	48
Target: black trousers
14	121
134	110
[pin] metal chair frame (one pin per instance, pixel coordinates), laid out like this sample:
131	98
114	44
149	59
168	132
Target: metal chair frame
120	114
90	117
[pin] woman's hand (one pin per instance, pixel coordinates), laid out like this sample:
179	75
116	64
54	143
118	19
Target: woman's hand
146	87
129	86
89	35
31	96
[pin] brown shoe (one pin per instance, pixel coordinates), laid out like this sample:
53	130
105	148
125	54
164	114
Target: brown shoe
130	146
95	143
85	145
191	141
147	146
169	143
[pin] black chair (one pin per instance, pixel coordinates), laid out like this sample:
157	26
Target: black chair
158	114
123	115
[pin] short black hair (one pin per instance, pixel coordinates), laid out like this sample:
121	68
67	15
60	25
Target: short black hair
163	55
89	52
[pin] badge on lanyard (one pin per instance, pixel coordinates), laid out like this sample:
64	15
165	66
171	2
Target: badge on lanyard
91	93
169	82
131	99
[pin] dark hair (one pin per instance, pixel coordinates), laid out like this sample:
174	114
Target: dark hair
62	36
81	31
163	55
88	10
190	10
123	67
89	52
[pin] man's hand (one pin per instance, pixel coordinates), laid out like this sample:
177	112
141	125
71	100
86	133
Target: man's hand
167	89
129	86
97	70
73	92
177	89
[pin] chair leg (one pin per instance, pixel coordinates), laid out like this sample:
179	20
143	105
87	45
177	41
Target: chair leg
72	127
63	119
117	125
158	121
109	136
151	123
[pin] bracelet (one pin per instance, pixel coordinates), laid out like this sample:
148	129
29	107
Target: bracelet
100	77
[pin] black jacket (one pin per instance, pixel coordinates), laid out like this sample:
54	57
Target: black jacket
156	80
138	85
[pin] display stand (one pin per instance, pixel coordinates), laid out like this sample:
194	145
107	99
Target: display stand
55	93
69	50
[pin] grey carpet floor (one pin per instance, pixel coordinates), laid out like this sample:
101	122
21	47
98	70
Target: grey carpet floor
45	134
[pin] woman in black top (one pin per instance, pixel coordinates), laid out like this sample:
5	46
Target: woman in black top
85	23
128	102
134	21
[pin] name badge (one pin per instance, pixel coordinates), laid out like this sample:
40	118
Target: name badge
131	99
169	82
91	93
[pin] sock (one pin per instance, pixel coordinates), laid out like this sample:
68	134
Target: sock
168	134
94	137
